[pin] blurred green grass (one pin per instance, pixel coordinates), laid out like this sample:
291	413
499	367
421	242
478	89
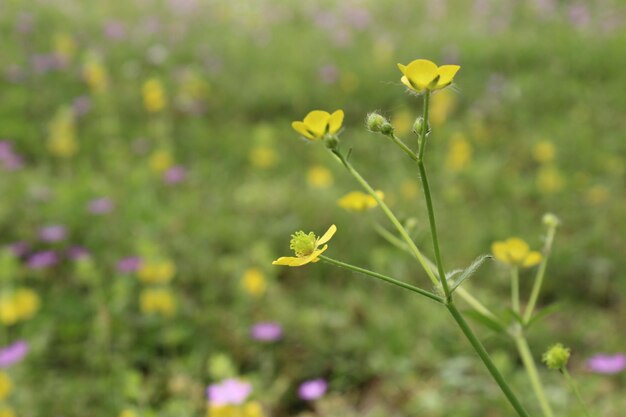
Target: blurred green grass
528	75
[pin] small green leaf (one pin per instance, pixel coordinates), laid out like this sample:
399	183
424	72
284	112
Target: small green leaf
486	321
469	271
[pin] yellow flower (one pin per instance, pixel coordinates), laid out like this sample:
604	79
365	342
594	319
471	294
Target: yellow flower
64	45
154	99
459	153
62	134
358	201
319	123
26	302
250	409
6	412
319	177
441	105
157	301
549	179
161	160
544	151
128	413
158	272
515	252
263	157
253	282
9	313
95	75
306	247
5	386
422	74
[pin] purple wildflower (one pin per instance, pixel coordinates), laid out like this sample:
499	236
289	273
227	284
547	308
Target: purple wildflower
266	332
77	252
175	175
44	259
129	264
9	160
607	364
12	354
53	233
228	392
312	389
102	205
19	249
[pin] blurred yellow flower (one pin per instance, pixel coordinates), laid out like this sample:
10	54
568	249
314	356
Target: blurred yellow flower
6	412
357	201
157	301
544	151
597	195
128	413
306	247
26	302
64	45
318	123
9	313
95	75
253	282
459	153
161	160
550	180
62	134
421	75
319	176
515	252
250	409
441	105
402	121
156	272
5	386
263	157
154	99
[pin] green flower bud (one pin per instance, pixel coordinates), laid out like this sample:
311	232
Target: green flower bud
386	129
418	125
374	122
331	142
551	220
556	356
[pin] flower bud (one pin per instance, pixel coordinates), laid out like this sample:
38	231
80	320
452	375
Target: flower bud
374	122
556	357
418	126
331	142
550	220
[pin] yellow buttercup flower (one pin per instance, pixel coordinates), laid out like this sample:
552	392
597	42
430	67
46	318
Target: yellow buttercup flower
62	134
250	409
26	302
358	201
459	153
306	247
515	252
157	301
319	177
154	98
159	272
318	124
422	75
161	160
544	151
263	156
253	282
95	75
5	386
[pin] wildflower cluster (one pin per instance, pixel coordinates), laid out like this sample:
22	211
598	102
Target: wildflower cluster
157	298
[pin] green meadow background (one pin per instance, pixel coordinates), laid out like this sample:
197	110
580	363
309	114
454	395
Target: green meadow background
201	170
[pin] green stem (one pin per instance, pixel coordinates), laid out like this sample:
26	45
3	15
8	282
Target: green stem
402	146
534	295
429	203
533	374
515	289
383	278
389	237
574	388
484	356
416	252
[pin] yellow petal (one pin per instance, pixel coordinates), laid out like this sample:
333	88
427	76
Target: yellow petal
517	250
317	122
499	250
335	121
421	73
532	259
446	74
285	260
301	129
311	258
402	69
406	82
327	236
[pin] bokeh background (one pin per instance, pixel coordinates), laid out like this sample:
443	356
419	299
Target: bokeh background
149	175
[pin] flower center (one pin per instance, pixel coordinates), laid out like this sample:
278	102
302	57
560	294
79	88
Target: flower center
302	244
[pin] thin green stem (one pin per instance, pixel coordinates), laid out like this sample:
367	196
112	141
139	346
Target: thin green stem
533	374
402	146
574	388
534	295
394	220
429	203
383	278
515	289
484	356
389	237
